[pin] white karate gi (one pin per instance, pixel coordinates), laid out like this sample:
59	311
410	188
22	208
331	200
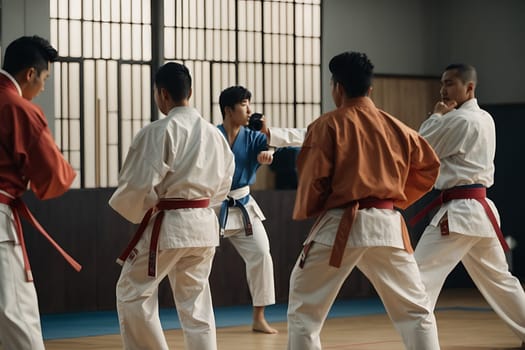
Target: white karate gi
19	301
185	157
465	141
253	249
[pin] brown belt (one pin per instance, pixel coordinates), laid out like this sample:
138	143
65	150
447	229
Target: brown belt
19	208
160	208
477	192
345	225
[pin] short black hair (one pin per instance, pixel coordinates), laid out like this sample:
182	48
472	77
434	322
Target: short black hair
354	71
176	79
28	52
465	72
231	96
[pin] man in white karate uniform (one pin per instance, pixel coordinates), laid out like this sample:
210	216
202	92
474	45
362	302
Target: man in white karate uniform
466	226
174	169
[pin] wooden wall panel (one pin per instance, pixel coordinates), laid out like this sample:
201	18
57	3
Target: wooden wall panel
265	179
409	99
87	228
83	223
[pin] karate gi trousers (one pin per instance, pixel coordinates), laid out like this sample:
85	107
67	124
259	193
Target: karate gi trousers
188	270
485	262
19	315
392	271
255	251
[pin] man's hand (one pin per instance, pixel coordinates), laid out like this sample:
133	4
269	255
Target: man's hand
265	157
444	107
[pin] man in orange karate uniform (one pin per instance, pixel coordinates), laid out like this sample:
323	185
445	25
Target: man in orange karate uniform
357	163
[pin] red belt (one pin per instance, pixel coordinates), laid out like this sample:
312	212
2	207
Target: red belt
19	208
345	225
477	193
160	208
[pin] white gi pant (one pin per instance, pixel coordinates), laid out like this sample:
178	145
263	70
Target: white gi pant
188	270
19	315
255	251
392	271
485	262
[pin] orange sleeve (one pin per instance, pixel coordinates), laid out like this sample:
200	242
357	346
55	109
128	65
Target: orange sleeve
315	167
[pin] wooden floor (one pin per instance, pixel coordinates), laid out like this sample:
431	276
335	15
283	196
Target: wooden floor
458	330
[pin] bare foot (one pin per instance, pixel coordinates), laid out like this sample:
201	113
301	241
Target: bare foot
263	327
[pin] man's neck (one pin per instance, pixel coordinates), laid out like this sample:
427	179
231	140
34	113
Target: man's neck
232	130
462	103
171	104
183	103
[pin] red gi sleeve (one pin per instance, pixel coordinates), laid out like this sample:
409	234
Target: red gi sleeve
50	174
38	156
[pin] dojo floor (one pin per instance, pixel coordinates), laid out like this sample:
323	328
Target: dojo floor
465	322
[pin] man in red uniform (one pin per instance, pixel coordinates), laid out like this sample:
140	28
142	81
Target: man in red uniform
358	162
28	156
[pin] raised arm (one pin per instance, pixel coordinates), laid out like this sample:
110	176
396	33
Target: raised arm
285	137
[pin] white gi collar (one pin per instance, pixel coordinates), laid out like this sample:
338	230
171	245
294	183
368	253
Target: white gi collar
13	80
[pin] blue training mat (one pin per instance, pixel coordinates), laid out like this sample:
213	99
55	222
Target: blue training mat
85	324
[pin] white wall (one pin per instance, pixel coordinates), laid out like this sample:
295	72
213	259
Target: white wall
29	17
421	37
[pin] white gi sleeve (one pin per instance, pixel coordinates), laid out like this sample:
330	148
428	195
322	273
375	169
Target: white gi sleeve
143	169
283	137
447	134
229	168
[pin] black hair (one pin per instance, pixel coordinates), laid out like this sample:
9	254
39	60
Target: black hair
176	79
353	70
28	52
233	95
465	72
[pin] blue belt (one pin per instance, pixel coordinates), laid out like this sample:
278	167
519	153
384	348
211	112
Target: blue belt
235	203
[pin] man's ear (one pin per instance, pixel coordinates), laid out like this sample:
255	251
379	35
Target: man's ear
28	74
470	87
227	111
164	94
32	73
340	89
